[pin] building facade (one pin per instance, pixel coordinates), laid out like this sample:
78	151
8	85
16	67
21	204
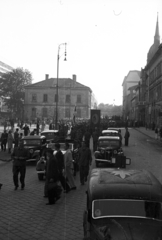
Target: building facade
131	80
41	97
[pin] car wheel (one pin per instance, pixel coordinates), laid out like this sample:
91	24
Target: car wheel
40	176
97	164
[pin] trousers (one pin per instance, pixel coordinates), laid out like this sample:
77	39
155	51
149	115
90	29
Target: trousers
16	171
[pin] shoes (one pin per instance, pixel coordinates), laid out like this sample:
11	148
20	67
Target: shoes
22	186
73	188
16	187
50	203
45	196
58	197
66	191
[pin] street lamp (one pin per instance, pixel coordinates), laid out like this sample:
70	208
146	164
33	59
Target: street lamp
58	57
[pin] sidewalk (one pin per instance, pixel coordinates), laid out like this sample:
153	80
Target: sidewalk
148	132
5	156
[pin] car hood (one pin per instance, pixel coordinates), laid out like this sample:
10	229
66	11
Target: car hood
130	229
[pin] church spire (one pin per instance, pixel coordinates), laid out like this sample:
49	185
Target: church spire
157	36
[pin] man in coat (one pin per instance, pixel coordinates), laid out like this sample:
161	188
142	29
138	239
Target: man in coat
127	135
85	159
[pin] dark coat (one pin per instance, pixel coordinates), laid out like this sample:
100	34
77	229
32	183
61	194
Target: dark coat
52	171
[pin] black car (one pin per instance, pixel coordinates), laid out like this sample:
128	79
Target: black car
35	145
109	151
123	204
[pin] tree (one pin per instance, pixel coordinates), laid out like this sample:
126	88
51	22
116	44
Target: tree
12	89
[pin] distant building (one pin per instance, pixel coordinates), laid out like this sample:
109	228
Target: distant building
4	68
40	99
132	79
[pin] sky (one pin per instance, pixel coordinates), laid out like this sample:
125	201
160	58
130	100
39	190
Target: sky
105	40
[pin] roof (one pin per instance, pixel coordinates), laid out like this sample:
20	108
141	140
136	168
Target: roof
32	137
109	137
52	82
50	131
110	131
132	71
109	183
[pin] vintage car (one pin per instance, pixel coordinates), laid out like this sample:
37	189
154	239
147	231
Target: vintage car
109	151
36	145
51	135
110	132
41	164
123	205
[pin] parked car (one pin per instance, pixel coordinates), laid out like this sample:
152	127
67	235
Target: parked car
36	145
124	204
110	132
109	151
51	135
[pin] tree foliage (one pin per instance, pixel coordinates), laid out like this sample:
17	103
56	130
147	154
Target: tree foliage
12	88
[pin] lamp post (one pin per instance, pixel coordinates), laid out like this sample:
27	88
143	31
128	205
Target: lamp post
58	57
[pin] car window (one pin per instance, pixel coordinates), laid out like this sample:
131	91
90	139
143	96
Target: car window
31	141
108	143
126	208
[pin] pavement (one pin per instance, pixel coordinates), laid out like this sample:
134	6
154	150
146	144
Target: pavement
149	133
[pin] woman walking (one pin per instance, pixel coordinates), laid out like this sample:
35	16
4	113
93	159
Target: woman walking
10	141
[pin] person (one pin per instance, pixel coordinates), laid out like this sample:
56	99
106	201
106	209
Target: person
19	156
87	137
156	133
76	157
120	135
85	159
26	130
38	127
4	137
60	162
68	162
52	177
10	141
126	136
16	137
95	139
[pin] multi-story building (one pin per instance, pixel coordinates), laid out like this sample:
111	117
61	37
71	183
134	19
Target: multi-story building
152	82
4	68
132	79
41	97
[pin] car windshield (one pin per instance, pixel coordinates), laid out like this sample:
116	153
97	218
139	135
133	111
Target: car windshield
29	142
109	143
126	208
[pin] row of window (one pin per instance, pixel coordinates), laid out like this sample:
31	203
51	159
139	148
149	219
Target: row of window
156	93
45	113
156	72
45	98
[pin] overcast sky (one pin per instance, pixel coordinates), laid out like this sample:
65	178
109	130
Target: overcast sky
105	39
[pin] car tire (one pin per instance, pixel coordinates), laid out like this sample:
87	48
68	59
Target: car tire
40	176
97	164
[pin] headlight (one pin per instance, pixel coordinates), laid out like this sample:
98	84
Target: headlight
102	151
115	152
31	151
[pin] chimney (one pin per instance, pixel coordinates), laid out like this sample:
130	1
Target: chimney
46	76
74	80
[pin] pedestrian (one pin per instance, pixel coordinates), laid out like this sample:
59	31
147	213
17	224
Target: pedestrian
19	156
120	135
16	137
156	132
68	162
4	137
87	137
38	127
60	162
85	160
26	130
10	141
95	139
76	157
52	178
126	136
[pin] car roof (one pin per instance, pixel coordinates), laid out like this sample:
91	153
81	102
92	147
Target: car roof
33	137
114	183
108	138
110	131
49	131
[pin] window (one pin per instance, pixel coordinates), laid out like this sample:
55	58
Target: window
78	98
33	112
45	98
68	99
56	98
34	97
67	112
44	112
78	112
